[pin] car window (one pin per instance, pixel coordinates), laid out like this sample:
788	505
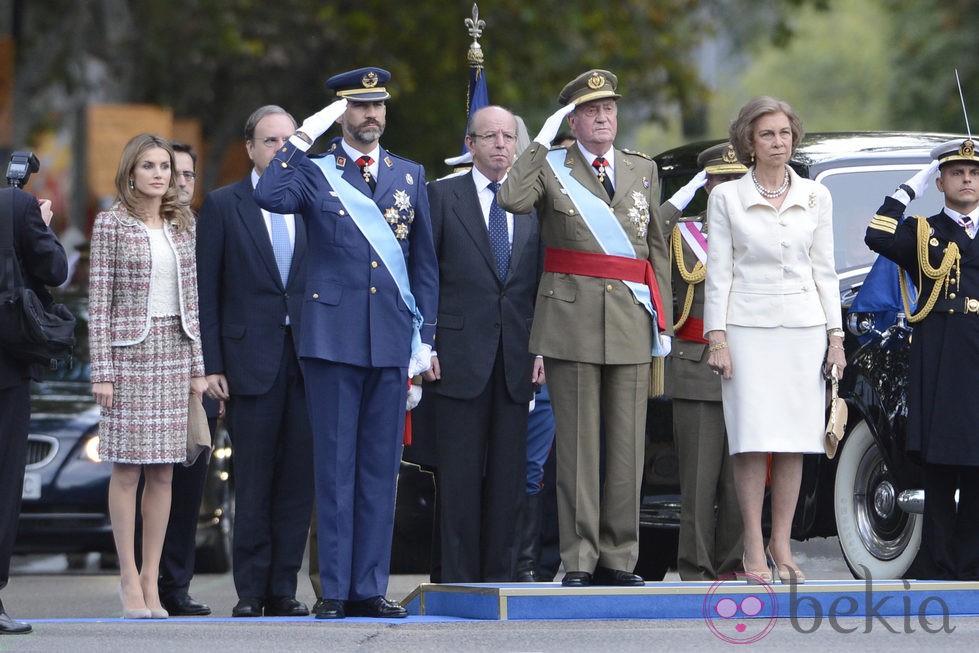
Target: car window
857	194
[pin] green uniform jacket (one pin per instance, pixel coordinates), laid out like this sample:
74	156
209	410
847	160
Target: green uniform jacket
589	319
687	374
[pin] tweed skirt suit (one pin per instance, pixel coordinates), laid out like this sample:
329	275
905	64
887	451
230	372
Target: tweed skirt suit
144	336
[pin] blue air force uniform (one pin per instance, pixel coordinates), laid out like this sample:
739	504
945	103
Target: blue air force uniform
355	348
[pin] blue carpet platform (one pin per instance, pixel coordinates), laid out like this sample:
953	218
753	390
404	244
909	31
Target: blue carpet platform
893	599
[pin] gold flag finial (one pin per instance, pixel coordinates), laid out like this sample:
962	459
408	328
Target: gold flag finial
475	26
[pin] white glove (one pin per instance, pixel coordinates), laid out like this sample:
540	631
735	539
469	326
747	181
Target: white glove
683	196
667	344
552	125
319	122
421	362
414	396
918	183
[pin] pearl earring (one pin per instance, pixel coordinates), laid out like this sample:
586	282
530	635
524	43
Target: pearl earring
132	186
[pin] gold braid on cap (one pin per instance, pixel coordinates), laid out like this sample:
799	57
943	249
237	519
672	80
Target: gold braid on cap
692	277
952	257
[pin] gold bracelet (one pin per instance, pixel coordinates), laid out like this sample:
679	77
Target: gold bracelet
836	347
717	346
835	332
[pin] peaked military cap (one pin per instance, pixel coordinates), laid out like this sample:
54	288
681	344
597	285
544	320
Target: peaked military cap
593	85
361	85
959	149
721	160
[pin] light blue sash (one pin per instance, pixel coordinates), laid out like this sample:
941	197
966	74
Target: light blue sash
367	216
606	229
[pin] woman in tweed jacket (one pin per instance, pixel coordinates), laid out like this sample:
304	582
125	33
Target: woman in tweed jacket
146	354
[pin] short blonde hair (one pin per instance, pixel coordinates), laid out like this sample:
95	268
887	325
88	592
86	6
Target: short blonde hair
170	209
743	127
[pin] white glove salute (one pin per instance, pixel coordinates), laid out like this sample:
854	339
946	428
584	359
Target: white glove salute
552	125
918	184
683	196
319	122
421	362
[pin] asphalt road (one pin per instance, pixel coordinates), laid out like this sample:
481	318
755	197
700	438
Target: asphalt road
78	611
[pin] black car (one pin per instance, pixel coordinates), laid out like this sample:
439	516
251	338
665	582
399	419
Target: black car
65	495
858	495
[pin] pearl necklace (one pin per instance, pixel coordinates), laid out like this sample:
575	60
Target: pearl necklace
770	194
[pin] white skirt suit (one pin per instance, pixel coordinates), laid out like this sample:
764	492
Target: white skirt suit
772	286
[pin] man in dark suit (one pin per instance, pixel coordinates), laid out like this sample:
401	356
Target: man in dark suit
482	372
251	269
371	300
42	262
177	561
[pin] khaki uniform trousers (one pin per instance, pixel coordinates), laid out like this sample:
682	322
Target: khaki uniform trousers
710	543
598	514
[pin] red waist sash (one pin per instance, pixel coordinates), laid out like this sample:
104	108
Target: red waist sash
605	266
692	330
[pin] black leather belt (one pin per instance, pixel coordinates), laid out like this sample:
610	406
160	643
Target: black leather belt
964	305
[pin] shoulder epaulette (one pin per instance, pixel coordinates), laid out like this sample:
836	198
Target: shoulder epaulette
635	153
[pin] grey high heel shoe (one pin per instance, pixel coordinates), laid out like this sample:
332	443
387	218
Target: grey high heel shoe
134	613
791	575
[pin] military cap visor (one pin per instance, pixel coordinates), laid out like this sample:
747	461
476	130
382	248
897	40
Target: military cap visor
592	85
721	160
361	85
959	149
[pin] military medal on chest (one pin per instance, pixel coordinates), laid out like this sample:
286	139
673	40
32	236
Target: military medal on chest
639	214
400	215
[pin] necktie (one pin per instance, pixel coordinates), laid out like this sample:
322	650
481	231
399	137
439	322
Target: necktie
600	165
281	245
364	162
498	234
968	224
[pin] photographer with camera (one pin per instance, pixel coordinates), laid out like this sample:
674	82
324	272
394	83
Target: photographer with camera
42	262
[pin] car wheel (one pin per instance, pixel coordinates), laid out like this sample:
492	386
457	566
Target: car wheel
879	540
657	552
214	556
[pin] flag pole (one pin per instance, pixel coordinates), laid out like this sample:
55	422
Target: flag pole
474	57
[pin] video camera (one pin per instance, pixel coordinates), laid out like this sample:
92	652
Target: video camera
22	165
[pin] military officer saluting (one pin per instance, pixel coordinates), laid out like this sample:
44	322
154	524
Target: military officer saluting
368	326
598	320
942	257
710	543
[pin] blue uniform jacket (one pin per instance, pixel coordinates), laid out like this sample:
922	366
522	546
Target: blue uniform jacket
352	311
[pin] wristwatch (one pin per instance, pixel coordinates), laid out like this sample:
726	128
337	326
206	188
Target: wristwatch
303	136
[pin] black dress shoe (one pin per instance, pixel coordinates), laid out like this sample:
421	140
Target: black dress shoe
247	608
328	609
184	606
377	607
617	577
285	606
10	627
576	579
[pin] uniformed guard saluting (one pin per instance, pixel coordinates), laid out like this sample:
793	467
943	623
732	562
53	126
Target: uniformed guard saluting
942	257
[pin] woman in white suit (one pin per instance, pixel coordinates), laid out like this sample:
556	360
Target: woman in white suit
772	318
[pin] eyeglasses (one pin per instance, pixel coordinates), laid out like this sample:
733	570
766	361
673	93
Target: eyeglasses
187	175
491	137
271	141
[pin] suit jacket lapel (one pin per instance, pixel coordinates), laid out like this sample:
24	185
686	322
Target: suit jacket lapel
254	223
470	214
582	171
625	178
387	176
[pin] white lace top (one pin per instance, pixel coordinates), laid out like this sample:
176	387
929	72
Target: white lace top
164	298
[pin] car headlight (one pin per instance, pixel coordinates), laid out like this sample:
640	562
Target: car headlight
90	450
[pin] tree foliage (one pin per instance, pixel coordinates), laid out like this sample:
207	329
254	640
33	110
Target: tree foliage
217	60
930	40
